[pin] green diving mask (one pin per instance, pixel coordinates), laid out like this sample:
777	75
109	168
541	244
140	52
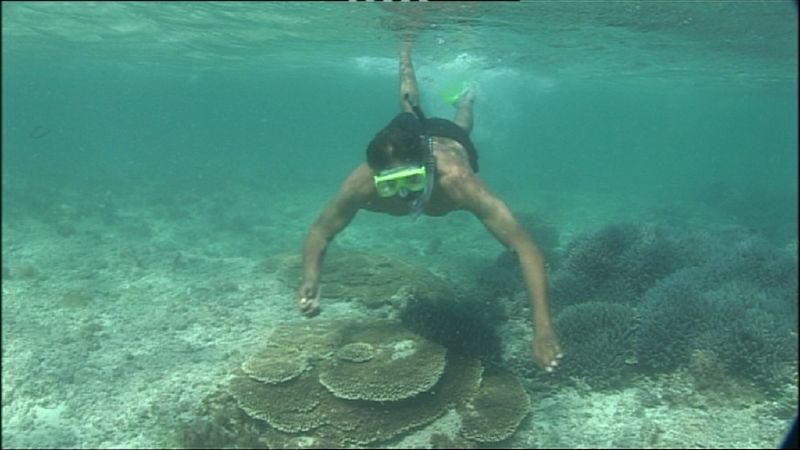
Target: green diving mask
401	180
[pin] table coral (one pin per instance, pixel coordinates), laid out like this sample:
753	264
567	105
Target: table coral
275	364
404	365
356	352
369	278
301	412
496	411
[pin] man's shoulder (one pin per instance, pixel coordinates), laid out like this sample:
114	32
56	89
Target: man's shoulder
462	185
455	172
358	183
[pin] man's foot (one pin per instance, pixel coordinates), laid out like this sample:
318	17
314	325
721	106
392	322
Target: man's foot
467	95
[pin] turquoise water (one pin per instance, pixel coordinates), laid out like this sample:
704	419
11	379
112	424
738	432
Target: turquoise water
218	131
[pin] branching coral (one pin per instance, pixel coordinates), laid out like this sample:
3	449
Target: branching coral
749	340
463	326
672	315
503	276
733	320
598	340
617	263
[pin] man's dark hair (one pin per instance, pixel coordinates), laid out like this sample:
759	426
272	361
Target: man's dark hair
400	140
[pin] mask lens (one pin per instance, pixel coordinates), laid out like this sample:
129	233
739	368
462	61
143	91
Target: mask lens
416	182
386	188
388	184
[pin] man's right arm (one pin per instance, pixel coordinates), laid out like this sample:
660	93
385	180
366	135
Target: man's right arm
333	219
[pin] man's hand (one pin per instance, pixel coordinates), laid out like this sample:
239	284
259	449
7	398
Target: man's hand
308	298
546	349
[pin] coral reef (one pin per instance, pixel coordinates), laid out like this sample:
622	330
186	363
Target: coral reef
598	340
356	352
725	306
707	371
671	316
616	263
745	257
495	412
464	326
408	382
756	345
275	364
500	279
304	406
598	256
404	364
730	293
369	278
503	276
317	337
545	234
280	404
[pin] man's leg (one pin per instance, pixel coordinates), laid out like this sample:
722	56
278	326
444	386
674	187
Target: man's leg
408	81
464	109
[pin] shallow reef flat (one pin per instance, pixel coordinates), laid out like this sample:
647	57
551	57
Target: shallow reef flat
152	326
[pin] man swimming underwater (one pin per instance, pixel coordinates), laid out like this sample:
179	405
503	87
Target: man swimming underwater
428	166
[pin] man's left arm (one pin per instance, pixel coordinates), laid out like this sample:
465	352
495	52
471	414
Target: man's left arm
498	219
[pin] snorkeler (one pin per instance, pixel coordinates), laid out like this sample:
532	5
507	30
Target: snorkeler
418	165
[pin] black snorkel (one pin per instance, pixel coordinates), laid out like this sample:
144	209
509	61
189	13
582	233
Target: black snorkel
418	204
